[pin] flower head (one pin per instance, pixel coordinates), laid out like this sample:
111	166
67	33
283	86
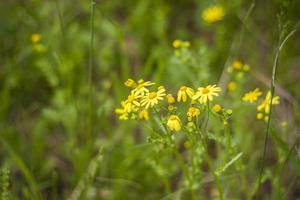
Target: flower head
176	43
213	14
231	86
207	93
174	123
131	102
265	105
141	87
152	98
183	92
217	108
170	99
35	38
252	95
130	83
193	112
237	65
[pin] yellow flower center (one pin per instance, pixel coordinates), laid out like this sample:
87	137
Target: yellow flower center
152	95
183	89
205	91
192	110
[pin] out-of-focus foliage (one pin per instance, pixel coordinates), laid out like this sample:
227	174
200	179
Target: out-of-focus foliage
59	136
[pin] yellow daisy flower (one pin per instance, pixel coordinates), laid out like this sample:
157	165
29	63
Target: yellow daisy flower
193	112
213	14
252	95
141	87
152	98
183	92
265	105
205	94
144	115
174	123
131	102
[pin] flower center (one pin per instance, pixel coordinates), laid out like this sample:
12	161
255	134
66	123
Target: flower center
183	89
192	110
205	91
152	95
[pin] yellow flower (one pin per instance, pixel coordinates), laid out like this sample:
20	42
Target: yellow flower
144	115
217	108
141	88
213	14
259	116
252	95
231	86
122	112
35	38
130	83
131	102
237	65
170	99
152	98
176	44
184	92
205	94
174	123
265	105
193	112
246	68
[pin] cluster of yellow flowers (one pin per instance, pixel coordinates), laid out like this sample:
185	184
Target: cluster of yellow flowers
263	108
237	69
141	99
213	14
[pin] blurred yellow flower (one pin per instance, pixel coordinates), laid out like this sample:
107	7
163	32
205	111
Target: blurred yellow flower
237	65
217	108
144	115
205	94
174	123
183	92
193	112
265	105
213	14
170	99
231	86
130	83
152	98
252	96
141	88
246	68
176	44
35	38
259	116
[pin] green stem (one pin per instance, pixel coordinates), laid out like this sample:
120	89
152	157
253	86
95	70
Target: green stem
274	70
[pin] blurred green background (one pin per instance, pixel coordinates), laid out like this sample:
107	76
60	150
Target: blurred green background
58	128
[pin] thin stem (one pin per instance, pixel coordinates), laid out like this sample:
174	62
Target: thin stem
91	52
274	70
